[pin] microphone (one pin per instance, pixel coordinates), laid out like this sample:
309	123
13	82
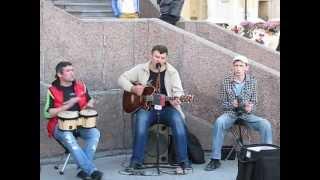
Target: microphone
158	65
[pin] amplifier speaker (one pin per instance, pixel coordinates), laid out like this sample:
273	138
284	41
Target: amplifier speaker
150	155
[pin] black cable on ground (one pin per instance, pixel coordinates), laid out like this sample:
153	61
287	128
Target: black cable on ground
138	173
174	172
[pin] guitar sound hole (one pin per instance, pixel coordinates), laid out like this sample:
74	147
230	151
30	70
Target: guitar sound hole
163	128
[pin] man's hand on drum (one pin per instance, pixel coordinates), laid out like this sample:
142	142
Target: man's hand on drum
90	104
71	101
66	105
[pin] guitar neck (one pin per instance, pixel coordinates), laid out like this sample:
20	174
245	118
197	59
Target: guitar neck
187	98
150	98
170	98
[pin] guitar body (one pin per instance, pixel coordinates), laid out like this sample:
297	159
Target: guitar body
132	102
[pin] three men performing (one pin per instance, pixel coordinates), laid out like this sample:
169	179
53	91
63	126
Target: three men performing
68	94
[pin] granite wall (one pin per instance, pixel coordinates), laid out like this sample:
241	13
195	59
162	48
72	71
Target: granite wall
149	9
101	50
233	42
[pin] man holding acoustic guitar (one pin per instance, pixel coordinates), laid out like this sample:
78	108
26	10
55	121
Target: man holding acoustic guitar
141	83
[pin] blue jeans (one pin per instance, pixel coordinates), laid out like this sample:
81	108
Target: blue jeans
225	121
115	8
82	156
169	116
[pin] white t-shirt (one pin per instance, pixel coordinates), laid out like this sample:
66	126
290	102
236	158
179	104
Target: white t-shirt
127	6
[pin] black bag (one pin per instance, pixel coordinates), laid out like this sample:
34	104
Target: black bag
195	151
225	150
259	165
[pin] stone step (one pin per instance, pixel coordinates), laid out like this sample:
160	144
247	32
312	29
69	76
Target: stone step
87	8
93	15
94	18
64	3
81	1
70	10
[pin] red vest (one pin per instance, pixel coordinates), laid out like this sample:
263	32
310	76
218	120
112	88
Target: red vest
79	89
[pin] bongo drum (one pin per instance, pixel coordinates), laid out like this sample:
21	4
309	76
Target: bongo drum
68	120
88	118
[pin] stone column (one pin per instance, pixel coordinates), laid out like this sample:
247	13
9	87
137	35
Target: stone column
194	10
274	9
231	11
219	11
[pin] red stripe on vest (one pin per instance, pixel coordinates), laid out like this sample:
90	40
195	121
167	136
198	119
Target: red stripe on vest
79	89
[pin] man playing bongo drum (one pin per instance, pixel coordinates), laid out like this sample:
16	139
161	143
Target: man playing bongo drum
68	94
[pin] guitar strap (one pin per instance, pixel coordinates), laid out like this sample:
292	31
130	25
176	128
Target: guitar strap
159	99
158	83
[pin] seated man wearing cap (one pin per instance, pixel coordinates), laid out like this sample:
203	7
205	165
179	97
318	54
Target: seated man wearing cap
239	99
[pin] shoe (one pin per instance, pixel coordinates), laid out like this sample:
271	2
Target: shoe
134	166
186	165
83	175
96	175
183	168
213	164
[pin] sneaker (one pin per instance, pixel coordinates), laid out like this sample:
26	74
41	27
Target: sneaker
213	164
186	165
96	175
134	166
179	171
83	175
184	168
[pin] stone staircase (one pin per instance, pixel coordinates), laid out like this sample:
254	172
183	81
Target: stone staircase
86	9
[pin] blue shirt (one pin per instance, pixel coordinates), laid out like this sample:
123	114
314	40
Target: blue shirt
237	87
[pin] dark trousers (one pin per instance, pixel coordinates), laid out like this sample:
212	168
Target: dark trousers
170	10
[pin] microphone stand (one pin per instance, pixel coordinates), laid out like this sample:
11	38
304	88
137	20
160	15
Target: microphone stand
158	108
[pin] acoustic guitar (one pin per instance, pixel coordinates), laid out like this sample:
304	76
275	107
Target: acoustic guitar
132	102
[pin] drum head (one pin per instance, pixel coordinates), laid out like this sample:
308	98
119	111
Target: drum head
64	115
88	113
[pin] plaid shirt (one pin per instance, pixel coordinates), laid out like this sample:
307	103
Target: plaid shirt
248	92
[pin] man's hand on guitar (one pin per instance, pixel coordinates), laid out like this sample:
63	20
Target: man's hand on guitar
137	89
175	102
235	103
